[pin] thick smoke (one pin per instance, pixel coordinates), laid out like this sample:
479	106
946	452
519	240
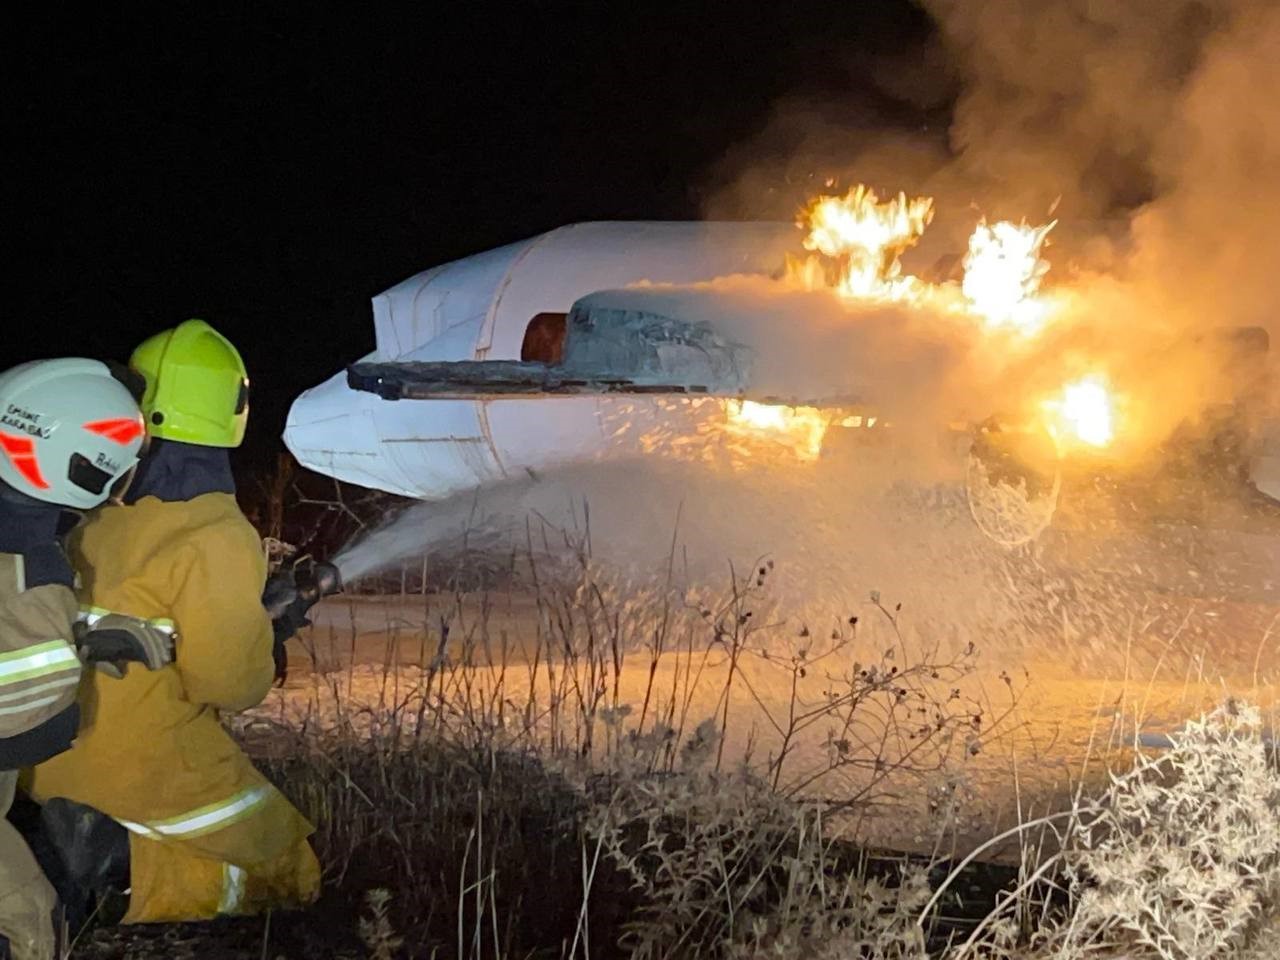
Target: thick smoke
1209	238
1149	129
1065	101
1161	113
1158	111
1069	98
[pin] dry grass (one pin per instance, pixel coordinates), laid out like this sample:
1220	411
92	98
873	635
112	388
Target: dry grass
1177	858
726	866
582	795
484	786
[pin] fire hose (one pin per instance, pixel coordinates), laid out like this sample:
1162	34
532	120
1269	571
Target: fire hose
289	595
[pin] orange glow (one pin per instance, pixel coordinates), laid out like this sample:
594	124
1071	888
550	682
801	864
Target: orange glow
856	243
1084	412
801	428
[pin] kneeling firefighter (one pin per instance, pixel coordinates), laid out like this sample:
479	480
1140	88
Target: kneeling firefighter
70	436
208	835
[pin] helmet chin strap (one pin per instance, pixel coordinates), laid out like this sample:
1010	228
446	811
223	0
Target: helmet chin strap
120	489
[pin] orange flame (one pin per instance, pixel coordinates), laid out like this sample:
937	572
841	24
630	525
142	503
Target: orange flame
1002	274
858	241
863	239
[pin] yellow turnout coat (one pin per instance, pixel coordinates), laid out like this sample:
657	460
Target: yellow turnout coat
208	834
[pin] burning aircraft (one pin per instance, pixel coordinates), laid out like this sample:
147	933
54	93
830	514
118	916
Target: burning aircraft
619	339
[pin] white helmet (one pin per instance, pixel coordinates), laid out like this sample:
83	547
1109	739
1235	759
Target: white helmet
69	431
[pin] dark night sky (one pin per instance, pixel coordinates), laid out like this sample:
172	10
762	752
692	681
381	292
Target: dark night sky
270	167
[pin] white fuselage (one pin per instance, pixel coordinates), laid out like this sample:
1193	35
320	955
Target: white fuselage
479	308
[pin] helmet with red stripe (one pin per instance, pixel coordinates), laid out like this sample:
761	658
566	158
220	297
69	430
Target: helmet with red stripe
70	431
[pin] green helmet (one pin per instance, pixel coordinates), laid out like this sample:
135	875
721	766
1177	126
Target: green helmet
197	388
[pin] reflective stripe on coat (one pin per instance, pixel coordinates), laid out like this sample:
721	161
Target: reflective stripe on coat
39	668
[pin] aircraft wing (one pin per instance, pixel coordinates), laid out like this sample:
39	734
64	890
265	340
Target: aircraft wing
645	340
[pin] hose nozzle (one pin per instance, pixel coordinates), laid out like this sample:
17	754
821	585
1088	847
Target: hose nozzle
329	577
318	580
299	588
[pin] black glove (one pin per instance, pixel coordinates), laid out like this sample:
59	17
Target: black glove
288	595
293	619
288	612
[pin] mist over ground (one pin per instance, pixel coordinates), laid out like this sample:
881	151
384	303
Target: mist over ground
1148	129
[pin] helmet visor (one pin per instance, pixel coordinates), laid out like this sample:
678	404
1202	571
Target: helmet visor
85	475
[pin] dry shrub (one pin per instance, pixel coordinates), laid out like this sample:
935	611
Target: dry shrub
376	930
572	826
518	798
728	867
1178	859
1182	857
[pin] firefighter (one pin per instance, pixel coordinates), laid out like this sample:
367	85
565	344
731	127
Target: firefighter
70	435
207	834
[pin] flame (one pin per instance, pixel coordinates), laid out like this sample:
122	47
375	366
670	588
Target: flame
1002	274
864	239
858	241
801	428
1085	411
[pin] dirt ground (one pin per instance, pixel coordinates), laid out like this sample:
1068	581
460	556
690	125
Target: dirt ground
1052	715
